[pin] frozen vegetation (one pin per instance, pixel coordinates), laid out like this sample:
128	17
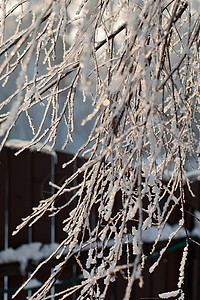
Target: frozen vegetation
127	73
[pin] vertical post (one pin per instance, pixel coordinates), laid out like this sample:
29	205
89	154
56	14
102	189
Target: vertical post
75	182
53	217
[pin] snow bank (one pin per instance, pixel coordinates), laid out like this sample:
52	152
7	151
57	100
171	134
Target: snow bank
33	283
151	233
19	144
33	251
37	251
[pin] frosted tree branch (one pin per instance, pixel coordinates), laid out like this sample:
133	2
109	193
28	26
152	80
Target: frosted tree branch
137	63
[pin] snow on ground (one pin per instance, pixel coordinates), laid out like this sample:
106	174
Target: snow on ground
37	251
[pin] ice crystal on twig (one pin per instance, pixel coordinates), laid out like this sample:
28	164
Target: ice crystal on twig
138	64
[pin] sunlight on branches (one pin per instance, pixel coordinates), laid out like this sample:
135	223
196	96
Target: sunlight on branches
139	63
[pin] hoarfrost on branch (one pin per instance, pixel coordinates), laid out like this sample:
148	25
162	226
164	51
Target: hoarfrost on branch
137	64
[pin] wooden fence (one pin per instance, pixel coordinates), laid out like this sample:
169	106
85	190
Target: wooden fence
23	182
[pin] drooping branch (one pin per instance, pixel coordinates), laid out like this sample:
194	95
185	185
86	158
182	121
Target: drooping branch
140	78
